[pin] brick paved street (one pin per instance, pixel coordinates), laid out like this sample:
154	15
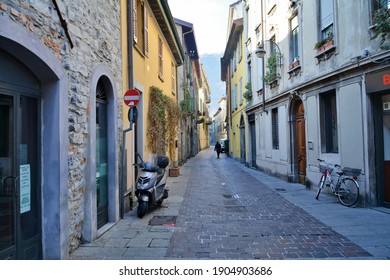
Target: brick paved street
229	214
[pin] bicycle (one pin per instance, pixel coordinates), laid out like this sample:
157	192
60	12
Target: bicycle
346	188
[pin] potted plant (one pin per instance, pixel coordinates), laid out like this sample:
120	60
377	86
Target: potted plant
248	92
324	44
381	23
294	63
174	171
271	74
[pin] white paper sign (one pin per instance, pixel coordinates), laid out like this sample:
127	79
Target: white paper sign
25	188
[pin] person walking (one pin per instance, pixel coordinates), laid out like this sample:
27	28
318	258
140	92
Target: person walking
217	148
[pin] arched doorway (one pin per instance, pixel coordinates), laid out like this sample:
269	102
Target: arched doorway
34	98
242	140
20	169
298	140
101	154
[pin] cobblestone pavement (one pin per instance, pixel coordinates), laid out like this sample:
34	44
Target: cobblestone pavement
229	214
220	209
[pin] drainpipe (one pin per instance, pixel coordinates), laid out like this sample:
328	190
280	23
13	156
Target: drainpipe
130	86
130	42
262	41
64	24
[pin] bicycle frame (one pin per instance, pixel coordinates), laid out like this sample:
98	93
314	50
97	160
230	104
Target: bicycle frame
329	180
346	188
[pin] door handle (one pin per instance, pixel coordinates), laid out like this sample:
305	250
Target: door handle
7	188
17	190
10	188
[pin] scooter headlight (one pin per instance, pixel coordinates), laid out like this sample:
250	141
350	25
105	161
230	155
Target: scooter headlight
142	186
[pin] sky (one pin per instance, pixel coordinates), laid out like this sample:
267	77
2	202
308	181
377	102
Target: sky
209	18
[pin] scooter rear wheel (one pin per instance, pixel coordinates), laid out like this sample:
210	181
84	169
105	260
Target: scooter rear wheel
142	207
162	199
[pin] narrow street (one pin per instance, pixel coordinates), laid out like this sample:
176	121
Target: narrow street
230	214
219	209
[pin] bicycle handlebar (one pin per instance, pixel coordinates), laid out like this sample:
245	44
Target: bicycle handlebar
322	160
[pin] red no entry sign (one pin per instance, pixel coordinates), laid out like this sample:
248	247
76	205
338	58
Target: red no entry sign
131	97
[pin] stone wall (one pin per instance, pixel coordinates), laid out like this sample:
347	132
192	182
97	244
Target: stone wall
94	28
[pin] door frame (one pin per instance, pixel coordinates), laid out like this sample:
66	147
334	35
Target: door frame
89	229
23	44
242	140
294	103
379	149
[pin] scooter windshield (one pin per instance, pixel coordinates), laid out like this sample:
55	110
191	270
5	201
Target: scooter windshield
151	167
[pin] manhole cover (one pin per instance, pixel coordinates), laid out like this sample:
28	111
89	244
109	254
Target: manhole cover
163	221
229	196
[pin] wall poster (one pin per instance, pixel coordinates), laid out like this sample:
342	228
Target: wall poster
25	188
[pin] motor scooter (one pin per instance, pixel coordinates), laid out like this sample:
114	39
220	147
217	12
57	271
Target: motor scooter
150	186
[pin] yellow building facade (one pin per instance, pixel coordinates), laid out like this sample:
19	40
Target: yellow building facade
234	74
151	54
204	101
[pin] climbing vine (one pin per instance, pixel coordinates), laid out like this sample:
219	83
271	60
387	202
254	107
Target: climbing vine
382	22
271	73
163	122
185	105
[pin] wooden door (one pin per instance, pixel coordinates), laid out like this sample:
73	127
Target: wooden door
301	143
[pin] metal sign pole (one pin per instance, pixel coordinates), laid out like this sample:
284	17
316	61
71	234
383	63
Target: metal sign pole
132	116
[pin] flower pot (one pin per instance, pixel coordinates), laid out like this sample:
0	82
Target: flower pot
325	46
174	172
294	64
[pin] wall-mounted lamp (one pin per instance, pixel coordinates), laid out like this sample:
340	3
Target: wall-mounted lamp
260	53
260	50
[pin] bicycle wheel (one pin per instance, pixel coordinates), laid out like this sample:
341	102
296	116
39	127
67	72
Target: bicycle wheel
320	186
348	192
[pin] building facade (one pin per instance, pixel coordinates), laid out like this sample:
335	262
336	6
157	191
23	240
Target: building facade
321	94
234	73
204	101
60	92
186	73
219	122
152	52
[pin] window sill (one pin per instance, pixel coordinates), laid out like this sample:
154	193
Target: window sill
294	70
325	53
140	51
273	83
161	77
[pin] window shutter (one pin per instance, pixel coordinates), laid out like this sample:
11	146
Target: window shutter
146	31
275	129
135	29
160	58
326	13
173	78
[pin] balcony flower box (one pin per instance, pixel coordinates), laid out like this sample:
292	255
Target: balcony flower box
294	64
325	46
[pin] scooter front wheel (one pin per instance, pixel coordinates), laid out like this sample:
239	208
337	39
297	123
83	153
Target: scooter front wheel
142	207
